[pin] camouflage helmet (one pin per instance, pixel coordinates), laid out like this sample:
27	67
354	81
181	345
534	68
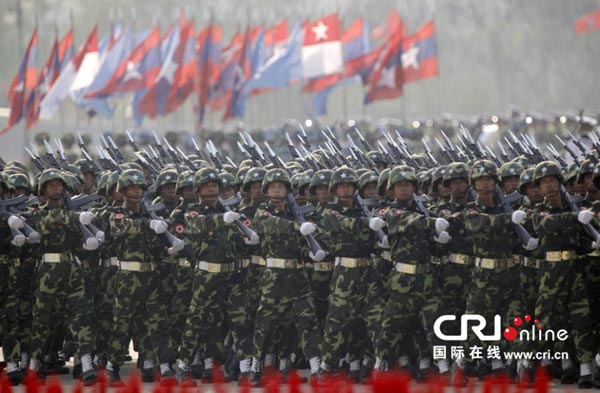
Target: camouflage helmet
510	169
17	165
294	180
228	168
75	171
20	180
376	157
168	176
367	178
362	171
319	178
102	181
294	167
253	175
382	181
227	180
438	175
5	182
84	166
304	179
248	163
50	174
456	170
131	177
241	175
524	161
571	174
483	168
526	178
546	169
206	175
402	173
112	181
343	175
73	183
274	175
199	164
587	166
185	179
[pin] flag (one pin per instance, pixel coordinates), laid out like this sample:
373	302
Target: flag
387	79
419	57
25	78
66	50
183	80
221	93
322	48
59	91
588	22
208	45
276	39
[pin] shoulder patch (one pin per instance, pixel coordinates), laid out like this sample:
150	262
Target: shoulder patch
544	213
381	211
247	222
472	211
179	228
193	213
119	216
445	211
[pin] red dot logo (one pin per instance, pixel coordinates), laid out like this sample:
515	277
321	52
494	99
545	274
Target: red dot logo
517	321
527	318
537	321
510	333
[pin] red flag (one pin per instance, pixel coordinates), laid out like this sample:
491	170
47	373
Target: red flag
588	22
26	78
208	49
66	49
419	57
322	47
387	79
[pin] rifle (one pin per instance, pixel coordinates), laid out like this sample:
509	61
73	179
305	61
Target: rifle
588	154
10	206
294	208
132	141
35	158
161	149
365	207
568	149
363	141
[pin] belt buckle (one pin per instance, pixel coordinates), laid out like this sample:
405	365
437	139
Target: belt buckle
52	257
213	267
487	263
565	255
290	264
407	268
462	259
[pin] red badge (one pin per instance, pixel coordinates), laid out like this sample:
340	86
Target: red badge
398	212
381	211
473	211
193	213
118	216
445	211
247	222
179	228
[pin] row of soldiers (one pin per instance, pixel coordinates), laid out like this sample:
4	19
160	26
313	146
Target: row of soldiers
336	268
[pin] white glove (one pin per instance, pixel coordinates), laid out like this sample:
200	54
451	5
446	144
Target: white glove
376	223
159	226
518	217
15	222
532	244
384	243
230	217
441	225
100	236
18	240
91	243
254	239
585	216
34	237
442	238
177	246
318	257
86	218
307	228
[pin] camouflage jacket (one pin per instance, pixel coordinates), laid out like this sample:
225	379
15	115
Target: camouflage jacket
490	230
133	238
348	232
557	228
410	233
59	230
461	242
177	219
248	211
211	238
279	233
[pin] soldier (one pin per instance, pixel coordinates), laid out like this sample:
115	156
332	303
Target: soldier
411	308
562	289
356	299
284	284
138	290
60	286
319	188
509	177
215	245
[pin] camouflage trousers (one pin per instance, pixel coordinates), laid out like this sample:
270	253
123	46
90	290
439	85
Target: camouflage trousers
493	292
60	292
319	286
408	317
103	306
180	301
9	333
286	293
138	300
563	303
25	287
529	279
355	305
210	315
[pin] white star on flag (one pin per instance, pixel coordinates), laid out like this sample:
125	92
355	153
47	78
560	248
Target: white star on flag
131	72
388	78
320	31
409	58
19	87
169	71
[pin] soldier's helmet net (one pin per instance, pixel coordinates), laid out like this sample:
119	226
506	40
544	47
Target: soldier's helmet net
166	177
206	175
483	168
274	175
185	179
546	169
402	173
526	178
343	175
50	174
131	177
320	178
510	169
456	170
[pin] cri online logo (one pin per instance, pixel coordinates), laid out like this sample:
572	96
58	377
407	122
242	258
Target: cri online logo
533	333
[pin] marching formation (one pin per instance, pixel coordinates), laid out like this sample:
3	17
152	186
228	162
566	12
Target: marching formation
355	260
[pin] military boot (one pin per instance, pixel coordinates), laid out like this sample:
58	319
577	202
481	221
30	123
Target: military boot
113	377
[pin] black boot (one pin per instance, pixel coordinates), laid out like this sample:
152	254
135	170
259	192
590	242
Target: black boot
585	382
113	378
